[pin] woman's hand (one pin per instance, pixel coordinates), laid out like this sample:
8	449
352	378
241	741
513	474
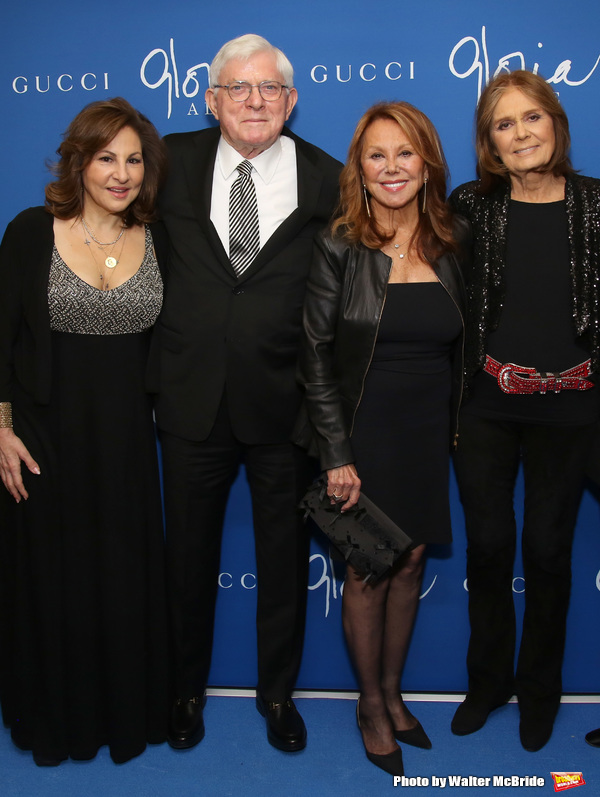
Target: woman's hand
343	484
12	451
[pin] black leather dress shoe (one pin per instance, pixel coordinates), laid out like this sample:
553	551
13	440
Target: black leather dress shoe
472	715
593	738
285	727
186	727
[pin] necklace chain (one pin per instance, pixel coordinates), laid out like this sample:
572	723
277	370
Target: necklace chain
401	255
110	262
90	232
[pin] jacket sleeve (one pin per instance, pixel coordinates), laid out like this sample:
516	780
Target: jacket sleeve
10	308
160	239
317	361
463	234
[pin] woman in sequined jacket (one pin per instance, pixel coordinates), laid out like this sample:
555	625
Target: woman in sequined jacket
533	344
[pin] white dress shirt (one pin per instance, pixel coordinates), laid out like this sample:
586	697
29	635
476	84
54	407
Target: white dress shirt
275	180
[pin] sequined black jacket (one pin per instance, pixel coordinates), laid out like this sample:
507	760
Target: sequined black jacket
488	216
345	296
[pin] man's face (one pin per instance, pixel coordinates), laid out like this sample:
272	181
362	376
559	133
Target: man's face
253	125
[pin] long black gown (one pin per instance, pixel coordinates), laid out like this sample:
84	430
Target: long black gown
83	638
401	435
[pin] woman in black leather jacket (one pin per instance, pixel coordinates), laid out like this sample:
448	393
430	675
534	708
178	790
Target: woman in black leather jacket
533	341
380	365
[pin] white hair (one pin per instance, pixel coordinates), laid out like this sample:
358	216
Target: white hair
243	48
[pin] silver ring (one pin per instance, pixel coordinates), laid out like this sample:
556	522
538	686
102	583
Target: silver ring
337	497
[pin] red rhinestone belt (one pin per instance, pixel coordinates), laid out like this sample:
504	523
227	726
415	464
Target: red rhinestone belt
518	379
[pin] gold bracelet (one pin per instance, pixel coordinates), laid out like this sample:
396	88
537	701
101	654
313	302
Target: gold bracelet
5	415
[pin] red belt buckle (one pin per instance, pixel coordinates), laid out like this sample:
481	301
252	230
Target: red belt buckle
508	373
518	379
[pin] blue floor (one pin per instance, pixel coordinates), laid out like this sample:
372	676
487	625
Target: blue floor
235	758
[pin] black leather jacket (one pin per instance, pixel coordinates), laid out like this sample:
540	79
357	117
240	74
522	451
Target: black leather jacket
346	292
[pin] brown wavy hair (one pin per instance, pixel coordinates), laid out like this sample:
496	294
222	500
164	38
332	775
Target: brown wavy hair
89	132
490	168
433	235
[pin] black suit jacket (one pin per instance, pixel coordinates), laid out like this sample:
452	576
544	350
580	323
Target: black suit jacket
217	332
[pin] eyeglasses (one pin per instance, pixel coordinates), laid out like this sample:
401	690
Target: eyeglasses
239	90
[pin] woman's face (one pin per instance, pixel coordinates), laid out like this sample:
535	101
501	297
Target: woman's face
114	176
522	133
392	171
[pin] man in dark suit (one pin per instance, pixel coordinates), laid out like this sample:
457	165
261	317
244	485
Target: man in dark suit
225	361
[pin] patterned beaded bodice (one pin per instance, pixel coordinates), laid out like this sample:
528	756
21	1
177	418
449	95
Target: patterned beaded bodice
76	306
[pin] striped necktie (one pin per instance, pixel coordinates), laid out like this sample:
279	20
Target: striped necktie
244	235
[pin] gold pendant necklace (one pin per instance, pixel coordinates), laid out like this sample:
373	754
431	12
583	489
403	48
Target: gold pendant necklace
109	261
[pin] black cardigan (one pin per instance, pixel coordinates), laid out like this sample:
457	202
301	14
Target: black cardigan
25	340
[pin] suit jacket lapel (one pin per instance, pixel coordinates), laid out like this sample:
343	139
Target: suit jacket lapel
199	168
309	185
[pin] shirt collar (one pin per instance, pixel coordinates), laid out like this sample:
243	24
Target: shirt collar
265	164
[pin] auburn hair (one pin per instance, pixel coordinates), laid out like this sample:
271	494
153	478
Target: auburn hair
434	231
91	131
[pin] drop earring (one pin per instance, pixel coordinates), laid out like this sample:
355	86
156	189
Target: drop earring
366	200
425	194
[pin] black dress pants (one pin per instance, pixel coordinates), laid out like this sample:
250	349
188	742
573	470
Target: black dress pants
197	480
486	461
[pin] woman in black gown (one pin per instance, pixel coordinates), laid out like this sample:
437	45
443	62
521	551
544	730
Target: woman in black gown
82	617
380	365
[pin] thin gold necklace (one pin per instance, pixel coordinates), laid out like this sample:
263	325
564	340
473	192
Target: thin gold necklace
110	263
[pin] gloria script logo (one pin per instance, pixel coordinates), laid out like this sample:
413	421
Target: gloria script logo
160	69
470	56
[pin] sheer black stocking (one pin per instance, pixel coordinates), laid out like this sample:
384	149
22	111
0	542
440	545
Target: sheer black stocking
402	605
378	622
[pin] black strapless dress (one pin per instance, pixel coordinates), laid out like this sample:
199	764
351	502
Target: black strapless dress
401	435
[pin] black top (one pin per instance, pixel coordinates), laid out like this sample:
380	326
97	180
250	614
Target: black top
485	271
536	325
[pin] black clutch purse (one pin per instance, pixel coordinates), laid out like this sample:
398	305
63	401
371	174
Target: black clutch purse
364	535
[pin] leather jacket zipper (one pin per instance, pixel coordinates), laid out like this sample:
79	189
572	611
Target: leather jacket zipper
362	387
462	362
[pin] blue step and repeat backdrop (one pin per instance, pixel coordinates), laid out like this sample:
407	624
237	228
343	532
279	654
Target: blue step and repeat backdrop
347	54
